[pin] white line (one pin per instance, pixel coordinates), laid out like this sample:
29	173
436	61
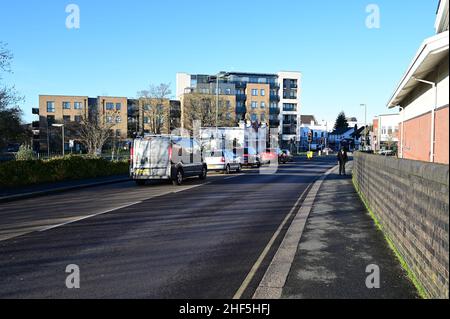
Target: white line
234	176
266	250
89	216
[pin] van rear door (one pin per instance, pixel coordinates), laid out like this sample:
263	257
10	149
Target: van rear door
151	157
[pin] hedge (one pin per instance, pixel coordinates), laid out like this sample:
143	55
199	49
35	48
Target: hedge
23	173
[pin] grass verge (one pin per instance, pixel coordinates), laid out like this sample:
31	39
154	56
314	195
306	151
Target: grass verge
411	276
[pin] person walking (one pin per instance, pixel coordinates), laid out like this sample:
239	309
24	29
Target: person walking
343	159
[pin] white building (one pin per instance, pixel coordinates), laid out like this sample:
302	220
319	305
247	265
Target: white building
385	131
308	123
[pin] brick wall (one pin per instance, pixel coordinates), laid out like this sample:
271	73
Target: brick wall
411	201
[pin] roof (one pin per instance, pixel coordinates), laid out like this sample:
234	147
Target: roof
432	51
307	119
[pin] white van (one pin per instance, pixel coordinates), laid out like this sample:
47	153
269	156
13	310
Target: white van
165	157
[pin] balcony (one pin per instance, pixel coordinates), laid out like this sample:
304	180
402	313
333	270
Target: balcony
274	98
275	111
241	97
241	110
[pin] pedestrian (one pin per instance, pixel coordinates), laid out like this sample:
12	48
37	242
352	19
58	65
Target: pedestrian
343	159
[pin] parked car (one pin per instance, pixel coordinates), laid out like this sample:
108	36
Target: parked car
249	157
270	156
223	161
285	156
164	157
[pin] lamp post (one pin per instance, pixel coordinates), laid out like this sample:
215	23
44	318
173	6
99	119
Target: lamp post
219	75
365	125
62	129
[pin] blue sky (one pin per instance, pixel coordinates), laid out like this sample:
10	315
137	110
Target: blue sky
123	46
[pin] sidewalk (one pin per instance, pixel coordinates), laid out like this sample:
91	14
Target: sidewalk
12	194
338	242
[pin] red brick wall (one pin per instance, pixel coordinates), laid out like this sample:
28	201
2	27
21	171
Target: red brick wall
442	150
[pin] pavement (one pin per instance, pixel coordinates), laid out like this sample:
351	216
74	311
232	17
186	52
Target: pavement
338	242
213	239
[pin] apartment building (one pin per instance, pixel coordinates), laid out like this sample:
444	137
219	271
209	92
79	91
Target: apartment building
70	110
263	98
423	97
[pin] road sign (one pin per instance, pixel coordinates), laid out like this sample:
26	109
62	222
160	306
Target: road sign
71	143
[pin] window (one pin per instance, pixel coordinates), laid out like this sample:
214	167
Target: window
263	117
273	105
263	105
109	119
147	107
228	104
118	106
228	116
66	118
289	107
118	133
77	105
254	117
50	107
66	105
118	119
146	120
254	92
263	92
110	106
228	91
254	105
78	118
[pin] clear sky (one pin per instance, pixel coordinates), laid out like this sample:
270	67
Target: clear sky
123	46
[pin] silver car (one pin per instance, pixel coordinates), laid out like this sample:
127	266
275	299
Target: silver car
223	161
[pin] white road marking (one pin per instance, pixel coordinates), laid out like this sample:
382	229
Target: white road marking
230	177
266	250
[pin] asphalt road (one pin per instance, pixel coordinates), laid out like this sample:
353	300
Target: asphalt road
158	241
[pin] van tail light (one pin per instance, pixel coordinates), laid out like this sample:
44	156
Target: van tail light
170	153
131	154
222	160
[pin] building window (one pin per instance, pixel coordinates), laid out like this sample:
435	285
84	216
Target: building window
109	119
78	118
147	107
146	120
228	104
228	116
254	92
118	106
228	91
263	105
289	107
118	119
254	105
66	118
50	107
263	92
118	133
66	105
273	105
110	106
78	105
254	117
263	117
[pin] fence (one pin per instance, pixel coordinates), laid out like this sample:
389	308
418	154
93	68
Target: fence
410	200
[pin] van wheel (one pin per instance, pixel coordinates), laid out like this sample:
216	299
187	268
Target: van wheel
178	178
204	173
140	182
228	170
239	169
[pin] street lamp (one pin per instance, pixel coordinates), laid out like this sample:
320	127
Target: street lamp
62	129
365	125
219	75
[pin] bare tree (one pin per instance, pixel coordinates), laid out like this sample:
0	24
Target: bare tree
156	107
202	107
95	131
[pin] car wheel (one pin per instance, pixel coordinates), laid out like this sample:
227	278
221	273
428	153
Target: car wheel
239	169
204	173
178	178
228	170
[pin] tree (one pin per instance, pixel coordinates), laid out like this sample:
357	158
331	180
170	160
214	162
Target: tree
202	107
341	122
155	105
10	113
95	131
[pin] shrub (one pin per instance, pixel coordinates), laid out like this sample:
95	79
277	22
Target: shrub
25	153
29	172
